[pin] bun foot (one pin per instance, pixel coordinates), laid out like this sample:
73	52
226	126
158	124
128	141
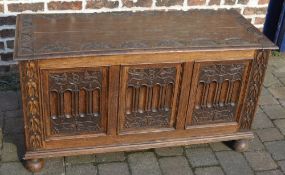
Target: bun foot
241	145
34	165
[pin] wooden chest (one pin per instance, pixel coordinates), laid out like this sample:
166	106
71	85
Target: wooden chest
122	81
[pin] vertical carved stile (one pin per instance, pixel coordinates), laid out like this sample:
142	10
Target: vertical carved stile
30	91
258	69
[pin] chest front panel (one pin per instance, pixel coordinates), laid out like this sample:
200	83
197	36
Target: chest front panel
75	101
216	92
148	96
87	103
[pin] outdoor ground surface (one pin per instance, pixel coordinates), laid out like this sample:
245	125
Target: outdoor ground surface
266	155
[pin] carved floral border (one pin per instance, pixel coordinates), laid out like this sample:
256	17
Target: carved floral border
27	48
30	93
258	69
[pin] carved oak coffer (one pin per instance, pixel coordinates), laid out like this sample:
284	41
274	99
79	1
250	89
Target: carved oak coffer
94	83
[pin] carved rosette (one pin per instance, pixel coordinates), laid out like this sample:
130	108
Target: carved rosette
216	94
149	97
257	74
30	90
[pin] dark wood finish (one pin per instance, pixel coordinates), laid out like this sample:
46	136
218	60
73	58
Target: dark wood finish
217	87
34	165
148	96
241	145
64	35
75	101
258	68
141	146
31	99
113	97
160	79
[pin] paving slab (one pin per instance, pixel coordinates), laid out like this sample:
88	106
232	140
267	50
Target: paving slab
13	168
204	145
53	166
260	161
282	165
269	134
274	111
261	121
255	144
1	119
143	163
8	100
79	159
234	163
282	80
201	157
13	147
209	171
280	123
120	168
81	169
17	113
277	149
269	79
1	142
110	157
277	92
264	91
169	151
267	100
10	152
14	125
175	165
275	62
280	71
282	102
220	146
271	172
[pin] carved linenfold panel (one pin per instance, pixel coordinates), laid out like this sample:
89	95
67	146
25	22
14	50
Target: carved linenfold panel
76	101
257	74
30	85
149	97
217	93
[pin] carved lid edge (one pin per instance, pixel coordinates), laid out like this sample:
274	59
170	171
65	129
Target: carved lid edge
27	52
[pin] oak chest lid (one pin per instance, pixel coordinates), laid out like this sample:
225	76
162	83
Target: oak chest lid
63	35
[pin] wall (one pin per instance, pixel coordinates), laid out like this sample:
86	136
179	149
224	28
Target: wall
253	10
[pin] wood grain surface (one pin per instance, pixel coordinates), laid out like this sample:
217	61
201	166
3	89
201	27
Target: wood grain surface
64	35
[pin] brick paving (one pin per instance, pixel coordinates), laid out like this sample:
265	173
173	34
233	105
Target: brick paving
266	154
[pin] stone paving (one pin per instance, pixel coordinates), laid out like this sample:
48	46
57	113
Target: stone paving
266	154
